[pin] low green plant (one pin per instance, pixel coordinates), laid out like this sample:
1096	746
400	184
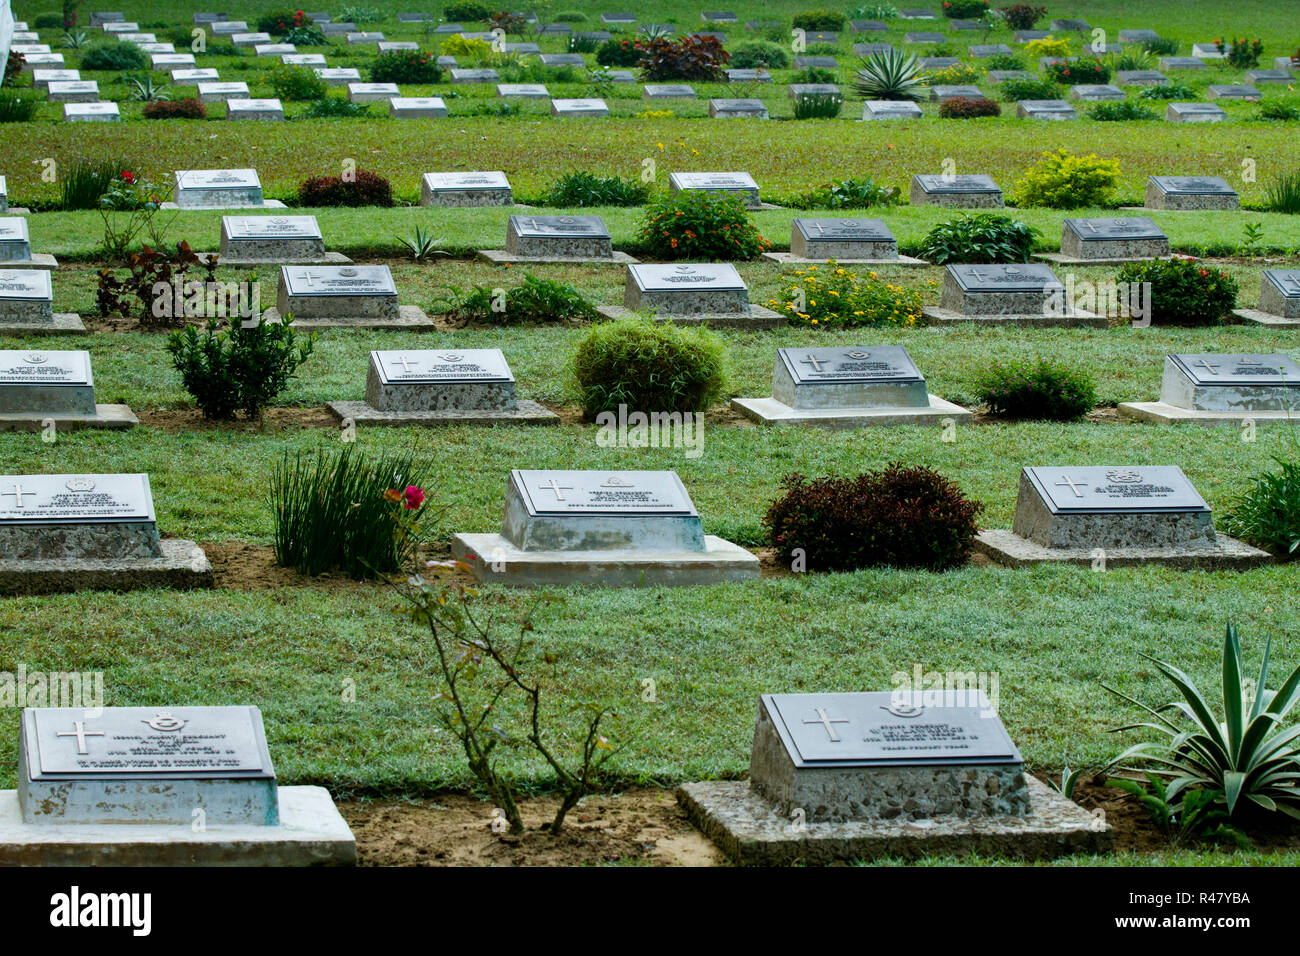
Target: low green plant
114	55
621	51
421	245
570	16
1168	91
533	301
241	368
338	511
648	366
834	297
331	107
1183	291
304	36
360	14
84	181
1085	70
697	226
297	83
818	21
1162	46
144	89
1003	61
1241	53
873	11
17	107
405	66
892	75
1047	46
1016	89
755	54
965	9
1121	110
818	105
1022	16
465	12
1246	758
1282	194
581	188
75	39
979	237
846	194
1062	180
1278	111
813	74
1131	60
279	22
1267	514
1036	389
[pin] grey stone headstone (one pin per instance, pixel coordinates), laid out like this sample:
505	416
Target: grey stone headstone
872	49
1018	289
26	297
1235	91
938	62
669	91
1096	92
466	189
584	106
1238	369
1231	382
1019	277
1076	26
924	36
220	92
842	239
835	377
1156	489
602	493
943	92
339	75
217	188
749	76
1279	292
1025	36
146	765
1190	192
983	50
1113	238
686	289
37	382
103	112
816	62
424	380
345	293
890	109
1045	109
73	91
532	91
734	109
1180	63
461	75
739	183
562	59
1282	77
48	517
15	244
1141	78
718	16
970	25
967	190
618	18
1138	36
868	26
417	107
283	238
1194	113
559	236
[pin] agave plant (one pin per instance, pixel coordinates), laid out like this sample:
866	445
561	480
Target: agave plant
143	89
421	245
1250	755
75	39
892	75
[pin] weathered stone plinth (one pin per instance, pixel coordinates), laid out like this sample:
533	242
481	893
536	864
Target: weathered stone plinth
1106	241
465	189
1191	391
1190	192
181	565
408	318
956	192
1028	294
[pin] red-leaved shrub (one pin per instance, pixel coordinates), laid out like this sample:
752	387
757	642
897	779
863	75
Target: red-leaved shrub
363	188
175	109
965	107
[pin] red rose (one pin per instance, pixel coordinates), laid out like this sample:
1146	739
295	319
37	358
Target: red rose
413	498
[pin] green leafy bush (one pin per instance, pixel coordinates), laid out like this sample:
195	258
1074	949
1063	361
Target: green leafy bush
297	83
238	369
280	22
1168	91
820	21
364	188
465	13
302	36
619	51
1161	46
892	75
330	107
1283	193
691	57
17	107
813	74
339	512
1121	110
49	21
83	182
1268	513
834	297
979	237
114	55
1247	760
1003	61
1016	89
818	105
966	107
1278	111
696	225
1037	388
536	300
873	11
759	54
1241	53
898	517
570	16
587	189
845	194
649	367
189	108
1086	70
1022	16
1064	181
405	66
359	14
1183	291
965	9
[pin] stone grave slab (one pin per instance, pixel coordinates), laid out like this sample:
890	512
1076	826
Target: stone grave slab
691	294
228	28
1190	192
528	91
364	38
343	297
72	91
466	189
118	786
42	78
965	25
275	49
737	109
1096	92
338	75
27	305
1169	63
816	62
868	26
1140	78
397	46
1027	36
1074	26
462	75
758	75
1122	515
944	92
1045	110
796	90
872	49
618	18
668	91
89	532
965	191
916	14
4	195
372	92
846	241
1207	51
172	61
98	112
890	110
220	189
1215	388
287	240
1109	241
855	387
441	387
186	77
1281	77
601	528
1233	91
417	107
1138	36
221	92
38	388
924	36
938	62
982	51
886	774
1279	299
257	110
580	107
49	61
738	184
1026	294
303	59
534	238
102	17
1194	113
16	247
719	16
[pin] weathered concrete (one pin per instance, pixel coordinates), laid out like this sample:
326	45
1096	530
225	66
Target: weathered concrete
181	566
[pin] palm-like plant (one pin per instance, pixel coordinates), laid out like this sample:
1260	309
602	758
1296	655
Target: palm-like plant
143	89
75	39
1250	755
892	75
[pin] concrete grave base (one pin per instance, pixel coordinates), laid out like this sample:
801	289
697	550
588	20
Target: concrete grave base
751	831
329	259
1257	317
501	257
768	411
1061	259
790	259
1162	413
16	211
1076	319
265	204
39	260
182	566
65	323
720	561
106	416
756	317
410	318
1226	554
311	832
524	413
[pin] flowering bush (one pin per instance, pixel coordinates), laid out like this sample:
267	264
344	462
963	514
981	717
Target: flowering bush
1086	70
696	225
1036	389
834	297
405	66
965	9
128	208
1184	291
281	22
621	52
958	74
1241	53
1048	46
1063	181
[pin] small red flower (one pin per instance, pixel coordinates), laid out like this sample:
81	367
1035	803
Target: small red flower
413	497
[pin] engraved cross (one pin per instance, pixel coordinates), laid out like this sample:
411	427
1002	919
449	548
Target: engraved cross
1208	366
827	722
81	733
17	494
556	487
816	363
1072	485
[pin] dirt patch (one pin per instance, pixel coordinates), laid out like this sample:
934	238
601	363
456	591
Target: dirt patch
239	565
643	827
273	419
1107	415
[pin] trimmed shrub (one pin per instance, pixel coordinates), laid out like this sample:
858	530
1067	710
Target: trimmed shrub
898	517
1268	514
570	16
686	58
819	21
834	297
465	13
1064	181
297	83
965	9
1003	61
1168	91
1183	291
282	21
536	300
331	107
587	189
845	194
405	66
649	367
466	49
1015	89
1022	16
363	189
619	52
759	54
980	237
1121	110
239	369
339	512
175	109
1084	70
1048	46
964	107
814	74
701	226
1036	389
114	56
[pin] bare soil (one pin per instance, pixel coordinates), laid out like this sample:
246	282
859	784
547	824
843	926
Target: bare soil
183	420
